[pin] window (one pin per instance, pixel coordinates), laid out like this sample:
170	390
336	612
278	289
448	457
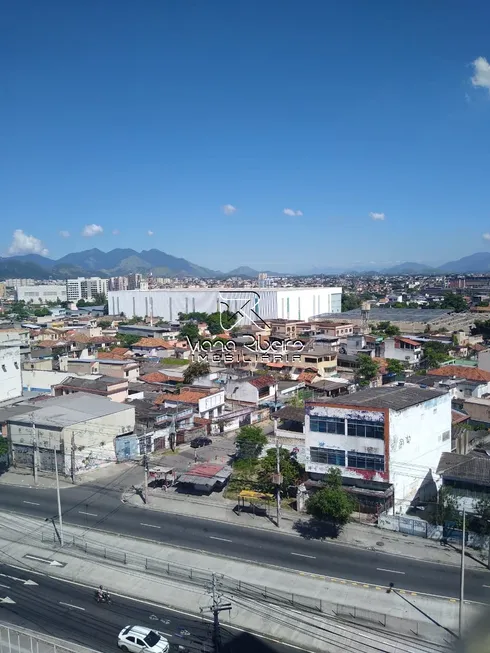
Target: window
366	461
4	368
327	456
363	429
327	425
16	365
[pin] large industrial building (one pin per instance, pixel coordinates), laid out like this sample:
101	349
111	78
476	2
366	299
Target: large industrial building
269	303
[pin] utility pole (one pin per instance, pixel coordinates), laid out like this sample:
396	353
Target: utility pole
73	459
278	482
461	589
216	608
146	465
58	495
35	454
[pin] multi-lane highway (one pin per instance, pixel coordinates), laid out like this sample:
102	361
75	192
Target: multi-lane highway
101	508
68	611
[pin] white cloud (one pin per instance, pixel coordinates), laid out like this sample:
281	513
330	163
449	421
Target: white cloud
292	212
92	230
377	216
481	77
65	234
115	232
229	209
150	233
24	244
486	236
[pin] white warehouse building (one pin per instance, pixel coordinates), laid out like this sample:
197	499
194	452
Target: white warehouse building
269	303
41	294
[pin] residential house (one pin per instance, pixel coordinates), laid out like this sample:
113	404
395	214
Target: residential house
81	429
172	378
287	329
118	353
154	348
114	389
148	331
252	390
336	329
472	374
392	436
45	363
16	338
466	476
289	432
207	403
402	349
121	369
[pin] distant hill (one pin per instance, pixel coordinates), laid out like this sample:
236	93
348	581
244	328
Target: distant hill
477	263
409	268
13	269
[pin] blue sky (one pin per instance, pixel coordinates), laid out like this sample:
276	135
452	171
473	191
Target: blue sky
137	122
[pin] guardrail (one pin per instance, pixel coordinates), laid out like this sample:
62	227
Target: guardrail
249	592
18	640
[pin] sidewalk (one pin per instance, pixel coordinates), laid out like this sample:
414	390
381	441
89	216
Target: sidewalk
339	612
362	536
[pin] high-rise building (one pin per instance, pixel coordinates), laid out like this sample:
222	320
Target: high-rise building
85	288
134	281
118	283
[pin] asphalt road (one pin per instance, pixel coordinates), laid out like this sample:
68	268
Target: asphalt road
61	609
101	508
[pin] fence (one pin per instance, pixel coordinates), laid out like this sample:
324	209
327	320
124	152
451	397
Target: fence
18	640
247	591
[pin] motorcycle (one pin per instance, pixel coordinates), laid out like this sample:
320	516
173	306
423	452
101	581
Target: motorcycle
102	597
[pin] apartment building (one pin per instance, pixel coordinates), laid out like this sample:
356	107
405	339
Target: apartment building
85	288
386	440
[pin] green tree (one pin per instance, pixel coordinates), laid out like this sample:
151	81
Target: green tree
195	315
332	503
454	302
249	442
387	329
350	302
42	312
104	324
367	371
219	321
292	472
195	370
434	353
297	401
395	366
446	508
99	299
190	331
127	339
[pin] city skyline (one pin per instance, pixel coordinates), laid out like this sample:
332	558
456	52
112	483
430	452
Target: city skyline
306	137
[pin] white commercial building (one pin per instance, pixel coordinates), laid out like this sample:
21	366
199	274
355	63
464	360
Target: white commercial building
10	373
386	439
41	294
85	288
268	303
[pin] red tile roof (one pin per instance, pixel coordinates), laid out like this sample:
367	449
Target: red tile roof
457	417
462	372
307	377
154	343
408	341
158	377
262	381
184	397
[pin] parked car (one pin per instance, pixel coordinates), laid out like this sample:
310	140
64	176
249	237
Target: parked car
134	639
200	442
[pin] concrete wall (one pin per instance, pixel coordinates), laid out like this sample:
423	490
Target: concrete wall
245	392
46	293
10	373
418	437
484	360
42	380
478	410
212	405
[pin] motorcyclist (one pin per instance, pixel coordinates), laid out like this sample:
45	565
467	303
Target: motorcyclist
102	594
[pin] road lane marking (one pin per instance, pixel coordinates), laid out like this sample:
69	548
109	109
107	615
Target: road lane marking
7	587
32	503
150	525
69	605
221	539
303	555
390	571
90	514
485	585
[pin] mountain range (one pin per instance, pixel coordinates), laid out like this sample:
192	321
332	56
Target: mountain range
120	262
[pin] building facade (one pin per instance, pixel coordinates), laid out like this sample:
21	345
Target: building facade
10	373
85	288
41	294
284	303
378	436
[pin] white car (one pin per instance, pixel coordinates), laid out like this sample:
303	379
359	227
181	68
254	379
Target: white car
136	639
